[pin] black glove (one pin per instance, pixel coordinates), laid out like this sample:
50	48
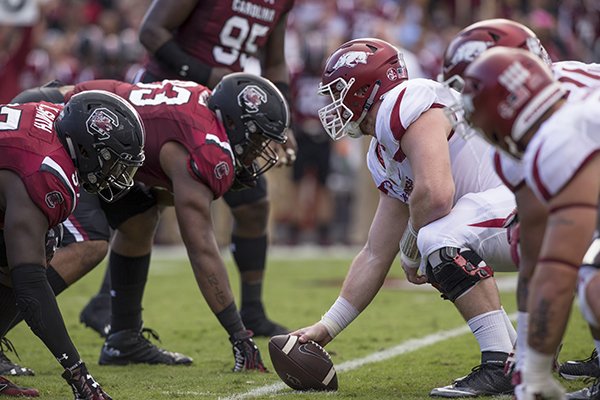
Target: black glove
246	353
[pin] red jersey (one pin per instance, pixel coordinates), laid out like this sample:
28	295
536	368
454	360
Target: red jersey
225	32
30	148
176	111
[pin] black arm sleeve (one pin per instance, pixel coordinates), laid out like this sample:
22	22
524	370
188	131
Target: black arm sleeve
184	65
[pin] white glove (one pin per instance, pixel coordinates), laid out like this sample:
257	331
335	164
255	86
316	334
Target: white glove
549	389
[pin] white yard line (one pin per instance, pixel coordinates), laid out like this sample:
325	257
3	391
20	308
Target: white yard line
403	348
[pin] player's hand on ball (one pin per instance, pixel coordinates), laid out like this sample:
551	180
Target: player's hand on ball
316	332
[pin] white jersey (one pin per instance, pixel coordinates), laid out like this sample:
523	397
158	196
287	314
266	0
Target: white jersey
481	202
472	168
562	146
576	77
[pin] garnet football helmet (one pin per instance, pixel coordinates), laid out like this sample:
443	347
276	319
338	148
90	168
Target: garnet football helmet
473	40
104	136
254	113
506	92
356	75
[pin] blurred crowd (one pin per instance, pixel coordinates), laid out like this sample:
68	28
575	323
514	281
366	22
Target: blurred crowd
327	197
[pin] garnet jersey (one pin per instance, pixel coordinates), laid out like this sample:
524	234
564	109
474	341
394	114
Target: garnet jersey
471	164
576	77
176	111
31	149
226	32
564	143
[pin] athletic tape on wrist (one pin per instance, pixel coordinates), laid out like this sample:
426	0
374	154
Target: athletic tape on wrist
408	243
339	316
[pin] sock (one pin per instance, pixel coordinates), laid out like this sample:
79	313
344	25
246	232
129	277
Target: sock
37	303
522	332
230	319
510	328
251	297
250	255
128	280
57	283
490	331
105	286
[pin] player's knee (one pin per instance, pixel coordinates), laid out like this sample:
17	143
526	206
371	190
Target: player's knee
252	219
453	271
589	283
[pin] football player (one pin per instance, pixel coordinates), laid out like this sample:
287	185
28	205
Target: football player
526	234
200	145
202	41
512	98
440	203
46	151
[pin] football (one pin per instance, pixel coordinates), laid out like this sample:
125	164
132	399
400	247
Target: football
302	366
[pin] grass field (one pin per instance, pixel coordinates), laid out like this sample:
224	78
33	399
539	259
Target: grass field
298	290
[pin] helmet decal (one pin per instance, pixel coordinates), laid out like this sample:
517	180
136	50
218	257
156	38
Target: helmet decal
351	59
469	51
251	98
101	123
513	79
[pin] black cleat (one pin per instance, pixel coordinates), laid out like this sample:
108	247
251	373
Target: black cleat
96	314
588	393
83	384
256	320
131	347
581	369
7	367
245	353
487	379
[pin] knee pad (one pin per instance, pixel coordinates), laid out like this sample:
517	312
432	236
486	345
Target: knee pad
453	271
586	273
50	94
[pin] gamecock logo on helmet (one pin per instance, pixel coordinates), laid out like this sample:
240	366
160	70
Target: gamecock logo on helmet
101	123
469	51
351	59
251	98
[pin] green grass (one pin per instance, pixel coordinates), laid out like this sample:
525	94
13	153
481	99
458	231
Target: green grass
297	292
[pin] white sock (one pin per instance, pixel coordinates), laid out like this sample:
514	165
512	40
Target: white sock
522	330
510	328
490	331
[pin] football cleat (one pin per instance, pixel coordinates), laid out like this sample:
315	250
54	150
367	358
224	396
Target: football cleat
7	388
131	347
587	393
96	314
581	369
245	353
486	379
83	384
256	320
7	367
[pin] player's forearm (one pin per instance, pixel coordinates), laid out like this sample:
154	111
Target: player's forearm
550	297
213	282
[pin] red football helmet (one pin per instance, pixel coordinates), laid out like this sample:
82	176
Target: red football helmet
355	77
469	43
506	92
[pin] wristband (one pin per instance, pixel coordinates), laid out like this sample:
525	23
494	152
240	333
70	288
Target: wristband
408	243
339	316
184	65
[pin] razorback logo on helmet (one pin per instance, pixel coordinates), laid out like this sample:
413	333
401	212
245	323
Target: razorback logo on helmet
54	198
251	98
101	123
469	51
513	79
351	59
221	170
